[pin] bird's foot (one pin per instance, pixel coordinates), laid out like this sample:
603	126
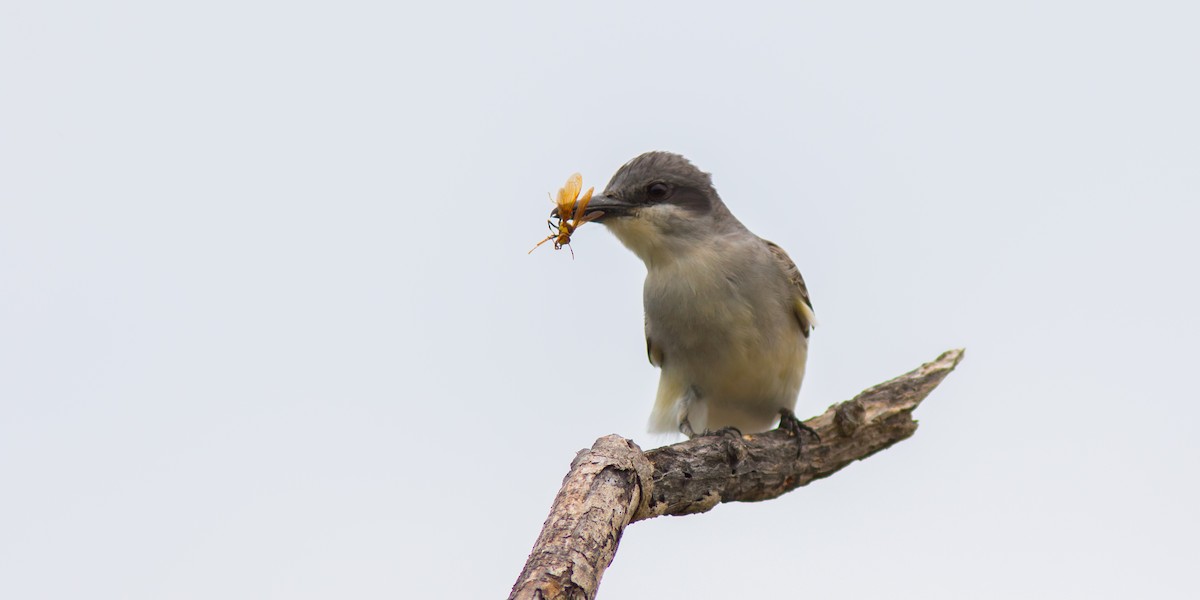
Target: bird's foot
794	426
736	448
731	431
686	428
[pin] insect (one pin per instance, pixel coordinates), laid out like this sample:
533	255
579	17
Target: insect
570	209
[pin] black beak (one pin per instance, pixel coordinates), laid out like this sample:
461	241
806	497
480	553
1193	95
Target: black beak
609	205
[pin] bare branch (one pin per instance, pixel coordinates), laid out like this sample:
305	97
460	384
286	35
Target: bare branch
614	483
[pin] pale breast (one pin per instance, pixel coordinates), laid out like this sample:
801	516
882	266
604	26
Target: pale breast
717	325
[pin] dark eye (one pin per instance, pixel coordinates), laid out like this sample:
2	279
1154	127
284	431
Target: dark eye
658	191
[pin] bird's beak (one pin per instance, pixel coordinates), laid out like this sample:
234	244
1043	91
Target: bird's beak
609	205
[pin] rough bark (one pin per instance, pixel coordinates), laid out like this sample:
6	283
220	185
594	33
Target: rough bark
614	483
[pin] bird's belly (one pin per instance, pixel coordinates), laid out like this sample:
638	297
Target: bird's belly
742	362
745	387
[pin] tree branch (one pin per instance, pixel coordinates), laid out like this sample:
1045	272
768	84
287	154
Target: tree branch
614	483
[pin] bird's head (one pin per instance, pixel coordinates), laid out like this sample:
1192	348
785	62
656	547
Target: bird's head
660	205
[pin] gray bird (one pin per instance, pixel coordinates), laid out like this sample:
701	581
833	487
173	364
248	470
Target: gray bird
727	313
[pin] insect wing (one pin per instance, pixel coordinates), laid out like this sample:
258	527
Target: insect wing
568	194
581	205
596	214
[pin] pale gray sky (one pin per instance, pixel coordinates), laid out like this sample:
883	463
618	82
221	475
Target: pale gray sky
268	328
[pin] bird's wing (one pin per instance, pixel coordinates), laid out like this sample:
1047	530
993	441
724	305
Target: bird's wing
802	304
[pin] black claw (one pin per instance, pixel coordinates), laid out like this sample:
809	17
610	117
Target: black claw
736	448
730	431
789	423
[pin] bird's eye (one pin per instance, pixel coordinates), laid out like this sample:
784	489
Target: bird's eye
658	191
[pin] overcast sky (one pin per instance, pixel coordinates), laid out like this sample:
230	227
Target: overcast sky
268	328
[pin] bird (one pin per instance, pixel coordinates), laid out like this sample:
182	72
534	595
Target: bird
727	313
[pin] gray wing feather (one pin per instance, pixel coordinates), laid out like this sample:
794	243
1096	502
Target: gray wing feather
803	305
